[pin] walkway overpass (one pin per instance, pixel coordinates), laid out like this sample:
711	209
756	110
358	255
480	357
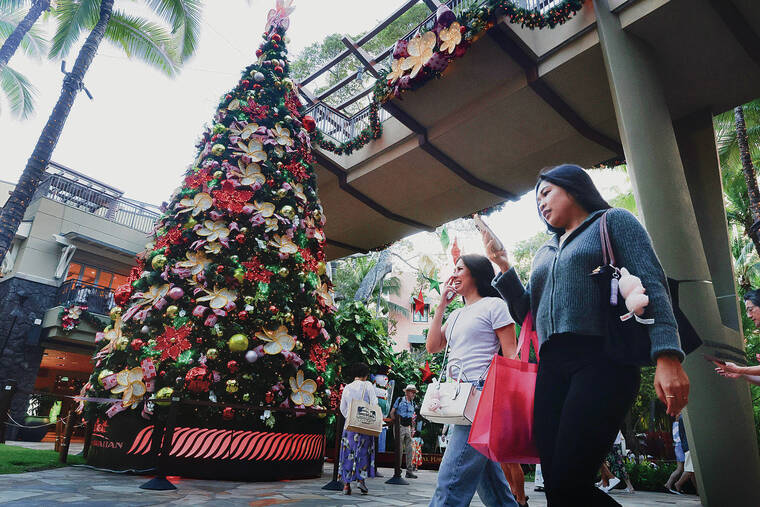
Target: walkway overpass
624	79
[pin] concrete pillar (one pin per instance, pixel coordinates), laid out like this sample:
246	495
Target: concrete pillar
720	424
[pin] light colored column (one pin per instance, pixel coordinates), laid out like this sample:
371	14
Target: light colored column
720	424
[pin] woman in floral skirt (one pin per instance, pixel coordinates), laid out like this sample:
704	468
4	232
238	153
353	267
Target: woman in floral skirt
357	451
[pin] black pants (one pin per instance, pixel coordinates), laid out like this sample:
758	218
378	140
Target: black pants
581	400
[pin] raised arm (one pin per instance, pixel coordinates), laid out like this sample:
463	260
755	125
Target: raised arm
436	337
507	283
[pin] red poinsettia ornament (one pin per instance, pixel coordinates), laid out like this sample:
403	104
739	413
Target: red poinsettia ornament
311	327
427	374
173	341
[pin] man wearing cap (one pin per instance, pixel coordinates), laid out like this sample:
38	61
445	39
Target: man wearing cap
404	408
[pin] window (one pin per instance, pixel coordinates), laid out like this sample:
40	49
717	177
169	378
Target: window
421	317
90	275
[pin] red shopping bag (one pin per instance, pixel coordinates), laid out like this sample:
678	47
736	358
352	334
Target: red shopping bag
503	426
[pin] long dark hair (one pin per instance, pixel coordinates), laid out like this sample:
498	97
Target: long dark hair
360	370
482	272
576	182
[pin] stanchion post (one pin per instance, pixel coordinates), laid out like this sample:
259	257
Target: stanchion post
6	397
162	447
397	479
63	456
335	484
88	436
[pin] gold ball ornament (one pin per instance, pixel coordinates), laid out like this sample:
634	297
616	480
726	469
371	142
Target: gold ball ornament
158	262
232	386
212	354
238	342
287	211
317	214
115	313
249	300
217	150
282	193
322	268
122	343
283	272
103	374
239	274
171	311
218	174
191	222
164	396
288	316
246	397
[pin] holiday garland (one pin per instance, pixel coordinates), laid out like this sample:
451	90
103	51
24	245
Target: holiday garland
72	314
428	54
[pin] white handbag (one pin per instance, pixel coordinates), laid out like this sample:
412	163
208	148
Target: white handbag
451	401
363	417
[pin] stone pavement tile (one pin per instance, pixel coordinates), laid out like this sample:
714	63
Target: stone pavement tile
10	495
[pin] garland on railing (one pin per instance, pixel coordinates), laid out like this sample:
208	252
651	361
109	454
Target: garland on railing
428	54
72	314
373	131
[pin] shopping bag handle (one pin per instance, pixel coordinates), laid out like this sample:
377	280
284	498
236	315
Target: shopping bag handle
527	336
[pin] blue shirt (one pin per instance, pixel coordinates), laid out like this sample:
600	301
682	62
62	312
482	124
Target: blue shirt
404	407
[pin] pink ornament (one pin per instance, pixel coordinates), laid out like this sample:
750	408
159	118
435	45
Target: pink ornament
175	293
210	320
400	49
199	310
438	62
444	16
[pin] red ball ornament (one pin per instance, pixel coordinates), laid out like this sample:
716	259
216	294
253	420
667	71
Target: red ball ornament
122	294
279	69
215	137
219	268
228	97
259	52
309	123
256	86
198	379
228	413
276	37
245	83
242	315
320	381
232	366
240	238
275	45
272	309
136	344
269	397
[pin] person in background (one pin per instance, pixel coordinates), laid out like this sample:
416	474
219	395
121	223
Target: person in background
688	466
516	479
614	467
750	374
580	390
680	457
474	334
357	451
404	409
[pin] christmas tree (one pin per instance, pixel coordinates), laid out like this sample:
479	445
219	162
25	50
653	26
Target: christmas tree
230	302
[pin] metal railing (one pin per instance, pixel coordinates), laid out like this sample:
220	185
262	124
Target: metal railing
97	299
339	126
67	190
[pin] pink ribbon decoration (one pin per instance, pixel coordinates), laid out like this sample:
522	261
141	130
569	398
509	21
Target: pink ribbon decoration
279	16
149	369
115	409
110	382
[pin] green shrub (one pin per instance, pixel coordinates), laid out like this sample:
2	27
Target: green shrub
649	475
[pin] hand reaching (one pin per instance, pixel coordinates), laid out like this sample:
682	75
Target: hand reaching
495	251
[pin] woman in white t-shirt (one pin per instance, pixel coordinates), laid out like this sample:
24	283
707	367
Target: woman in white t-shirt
474	334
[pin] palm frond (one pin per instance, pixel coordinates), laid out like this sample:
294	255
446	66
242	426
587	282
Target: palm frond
19	91
144	40
13	5
185	18
34	43
72	17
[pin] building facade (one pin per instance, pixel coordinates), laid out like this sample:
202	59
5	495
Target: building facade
75	245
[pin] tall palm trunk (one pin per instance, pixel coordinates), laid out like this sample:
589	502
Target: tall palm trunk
749	176
16	206
11	43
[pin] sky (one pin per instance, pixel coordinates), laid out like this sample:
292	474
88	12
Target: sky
139	132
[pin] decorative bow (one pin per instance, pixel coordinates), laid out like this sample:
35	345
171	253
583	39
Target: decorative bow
279	16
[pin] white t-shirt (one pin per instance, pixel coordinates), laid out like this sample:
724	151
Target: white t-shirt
354	391
474	341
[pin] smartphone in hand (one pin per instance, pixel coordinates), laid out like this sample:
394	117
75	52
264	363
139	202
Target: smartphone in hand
481	226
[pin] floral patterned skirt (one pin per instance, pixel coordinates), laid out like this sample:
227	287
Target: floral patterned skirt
357	457
616	462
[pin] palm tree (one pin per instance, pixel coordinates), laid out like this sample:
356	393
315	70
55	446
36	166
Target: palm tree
738	139
22	27
16	88
138	37
352	272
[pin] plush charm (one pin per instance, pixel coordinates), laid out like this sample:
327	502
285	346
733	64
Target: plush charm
635	296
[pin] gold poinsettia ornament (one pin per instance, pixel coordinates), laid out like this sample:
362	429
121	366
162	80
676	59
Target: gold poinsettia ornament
284	244
303	390
254	150
196	262
450	37
198	203
248	174
277	340
420	51
282	135
212	230
397	70
219	297
130	385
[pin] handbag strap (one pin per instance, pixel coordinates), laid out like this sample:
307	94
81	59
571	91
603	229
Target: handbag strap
527	336
446	351
604	234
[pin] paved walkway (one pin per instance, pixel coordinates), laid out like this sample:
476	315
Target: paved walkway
86	487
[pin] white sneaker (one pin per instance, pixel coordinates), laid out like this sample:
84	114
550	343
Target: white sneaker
613	482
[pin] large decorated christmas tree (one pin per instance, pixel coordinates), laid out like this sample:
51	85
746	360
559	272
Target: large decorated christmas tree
230	302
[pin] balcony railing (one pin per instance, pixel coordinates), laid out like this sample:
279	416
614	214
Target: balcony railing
87	195
339	126
97	299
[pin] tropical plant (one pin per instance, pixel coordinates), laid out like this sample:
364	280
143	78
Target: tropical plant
348	278
16	31
363	337
163	47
